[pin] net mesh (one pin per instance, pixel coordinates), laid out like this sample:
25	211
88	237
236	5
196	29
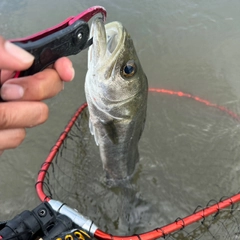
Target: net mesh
71	164
223	225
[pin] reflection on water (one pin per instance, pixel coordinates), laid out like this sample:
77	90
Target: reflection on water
189	152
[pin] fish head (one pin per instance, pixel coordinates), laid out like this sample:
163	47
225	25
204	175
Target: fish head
113	64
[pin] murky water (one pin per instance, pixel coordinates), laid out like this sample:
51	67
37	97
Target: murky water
189	152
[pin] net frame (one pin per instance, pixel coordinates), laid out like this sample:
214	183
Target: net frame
179	223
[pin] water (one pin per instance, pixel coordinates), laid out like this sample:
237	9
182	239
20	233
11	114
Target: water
189	152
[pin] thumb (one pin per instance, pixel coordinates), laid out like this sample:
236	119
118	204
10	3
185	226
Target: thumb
13	57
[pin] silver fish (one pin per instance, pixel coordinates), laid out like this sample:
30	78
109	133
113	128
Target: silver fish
116	90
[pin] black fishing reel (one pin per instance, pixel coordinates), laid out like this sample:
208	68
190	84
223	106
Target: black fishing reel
41	222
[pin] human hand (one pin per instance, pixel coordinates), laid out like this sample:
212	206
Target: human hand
23	107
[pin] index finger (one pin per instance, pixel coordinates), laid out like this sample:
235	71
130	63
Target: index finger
13	57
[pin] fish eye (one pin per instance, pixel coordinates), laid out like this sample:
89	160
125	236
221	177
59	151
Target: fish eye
129	69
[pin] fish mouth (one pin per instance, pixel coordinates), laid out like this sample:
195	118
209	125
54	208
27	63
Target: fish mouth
107	41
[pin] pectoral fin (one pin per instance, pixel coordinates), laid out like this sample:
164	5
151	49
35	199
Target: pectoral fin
93	132
106	129
110	130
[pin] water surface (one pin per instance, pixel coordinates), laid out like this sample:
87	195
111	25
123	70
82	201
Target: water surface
189	152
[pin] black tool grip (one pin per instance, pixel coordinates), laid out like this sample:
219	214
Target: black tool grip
28	223
65	42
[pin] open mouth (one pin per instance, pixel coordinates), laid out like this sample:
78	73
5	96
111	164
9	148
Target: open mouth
106	37
107	43
112	40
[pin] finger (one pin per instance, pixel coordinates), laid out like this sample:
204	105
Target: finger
65	69
40	86
13	57
5	75
11	138
22	114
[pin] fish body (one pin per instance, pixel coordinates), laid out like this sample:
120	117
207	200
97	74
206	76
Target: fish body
116	90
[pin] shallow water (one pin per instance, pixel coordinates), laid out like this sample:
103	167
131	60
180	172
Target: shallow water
189	151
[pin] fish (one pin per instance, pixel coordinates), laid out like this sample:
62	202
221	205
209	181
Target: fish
116	90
